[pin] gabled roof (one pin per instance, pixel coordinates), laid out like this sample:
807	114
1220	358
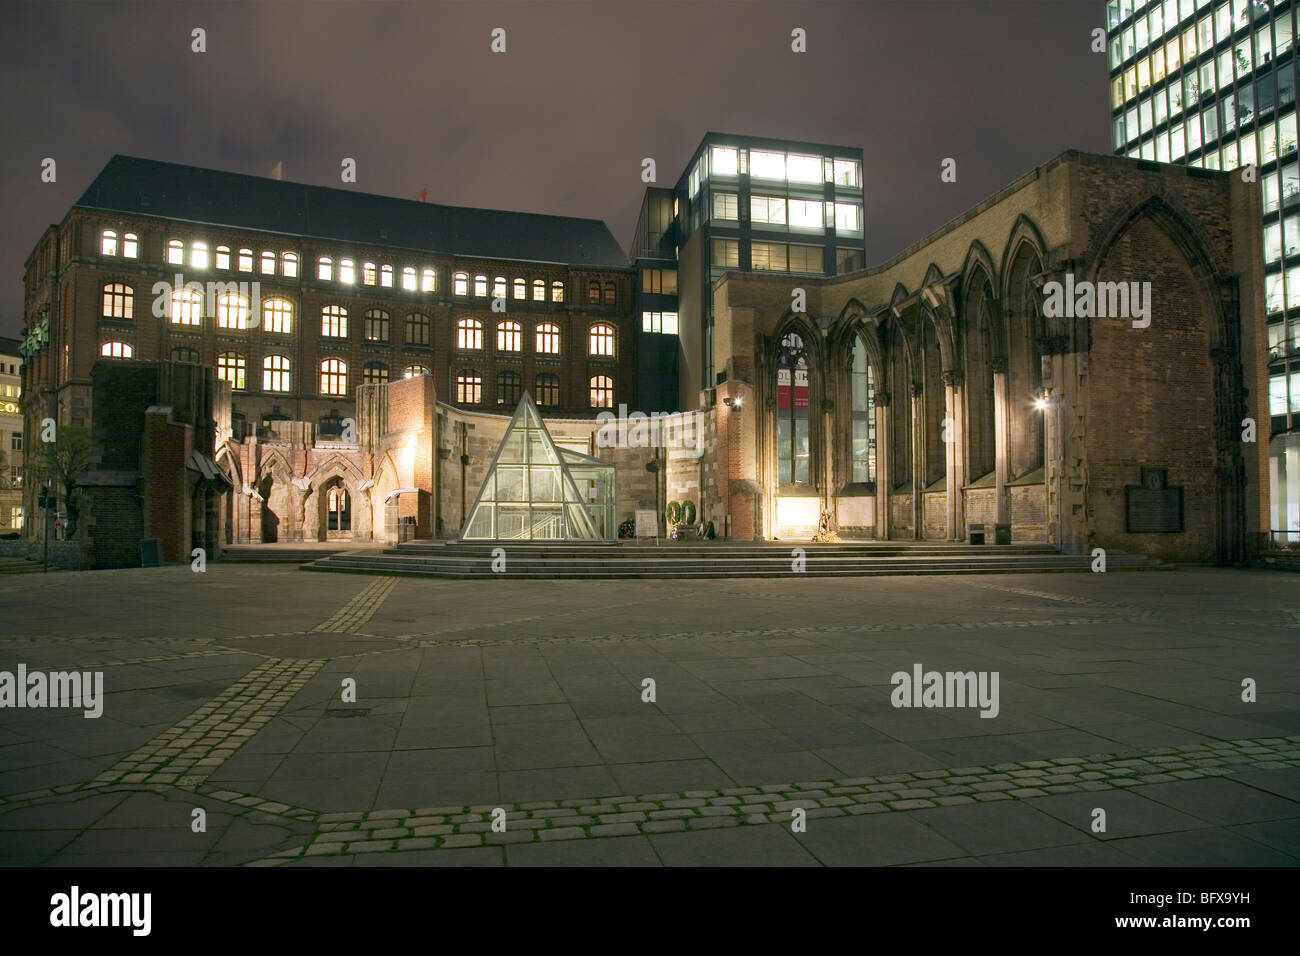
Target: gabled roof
171	191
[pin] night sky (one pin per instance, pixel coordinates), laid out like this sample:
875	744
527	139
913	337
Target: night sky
560	122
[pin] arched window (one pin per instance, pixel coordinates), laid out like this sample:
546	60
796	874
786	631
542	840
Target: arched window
277	316
548	389
199	255
509	337
602	391
289	264
185	355
223	257
268	262
108	243
460	283
131	245
175	252
376	325
325	268
232	311
417	329
469	334
232	367
119	301
374	373
539	290
412	371
275	374
469	388
593	292
499	287
611	294
548	339
187	307
509	388
862	397
386	276
334	321
557	291
333	377
116	350
408	278
520	288
347	271
429	281
245	260
368	273
601	341
792	444
480	285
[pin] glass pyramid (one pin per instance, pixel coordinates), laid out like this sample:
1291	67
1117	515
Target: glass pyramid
536	491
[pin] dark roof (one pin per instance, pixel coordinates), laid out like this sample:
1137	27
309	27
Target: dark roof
171	191
9	346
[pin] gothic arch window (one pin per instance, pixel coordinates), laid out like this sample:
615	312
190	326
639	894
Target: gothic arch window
862	412
981	350
793	444
1024	362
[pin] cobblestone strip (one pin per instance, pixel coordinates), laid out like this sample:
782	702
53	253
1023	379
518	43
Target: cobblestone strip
216	652
543	821
1047	595
360	609
186	754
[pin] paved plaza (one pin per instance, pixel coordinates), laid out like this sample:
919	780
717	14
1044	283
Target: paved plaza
228	691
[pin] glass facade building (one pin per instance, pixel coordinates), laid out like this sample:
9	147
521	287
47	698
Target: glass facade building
1212	84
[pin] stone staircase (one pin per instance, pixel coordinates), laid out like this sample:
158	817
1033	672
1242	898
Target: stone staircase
704	561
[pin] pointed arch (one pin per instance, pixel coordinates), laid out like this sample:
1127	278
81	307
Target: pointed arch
1024	231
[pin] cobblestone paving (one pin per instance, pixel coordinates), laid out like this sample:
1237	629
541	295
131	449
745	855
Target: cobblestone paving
361	608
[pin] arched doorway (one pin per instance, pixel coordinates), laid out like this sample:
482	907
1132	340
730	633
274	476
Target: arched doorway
336	504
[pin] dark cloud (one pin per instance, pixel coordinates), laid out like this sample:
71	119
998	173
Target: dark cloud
559	123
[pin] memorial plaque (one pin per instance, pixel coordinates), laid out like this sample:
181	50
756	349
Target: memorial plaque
1154	510
647	524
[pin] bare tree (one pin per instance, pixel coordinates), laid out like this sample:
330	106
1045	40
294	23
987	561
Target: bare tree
64	462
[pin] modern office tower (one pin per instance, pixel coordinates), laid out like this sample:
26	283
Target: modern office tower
742	204
1211	83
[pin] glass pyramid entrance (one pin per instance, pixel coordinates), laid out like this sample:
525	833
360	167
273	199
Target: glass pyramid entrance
536	490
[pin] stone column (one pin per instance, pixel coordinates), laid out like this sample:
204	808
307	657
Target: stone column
918	462
883	482
954	451
1002	437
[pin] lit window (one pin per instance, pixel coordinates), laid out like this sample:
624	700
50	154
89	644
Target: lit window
333	377
108	243
408	278
232	367
726	253
539	290
509	388
611	293
289	264
386	276
428	281
765	165
245	260
417	329
767	209
199	255
460	283
334	321
593	292
414	371
769	256
277	316
119	301
232	311
116	350
325	268
376	325
548	339
665	322
368	273
803	169
480	285
805	214
499	287
848	217
185	355
659	281
187	307
724	161
469	334
275	374
601	340
268	263
548	389
175	252
520	288
557	291
347	271
805	259
223	257
374	373
509	337
469	388
848	172
726	206
602	392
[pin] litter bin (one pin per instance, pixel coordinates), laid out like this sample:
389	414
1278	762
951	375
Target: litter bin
150	552
1002	534
977	534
